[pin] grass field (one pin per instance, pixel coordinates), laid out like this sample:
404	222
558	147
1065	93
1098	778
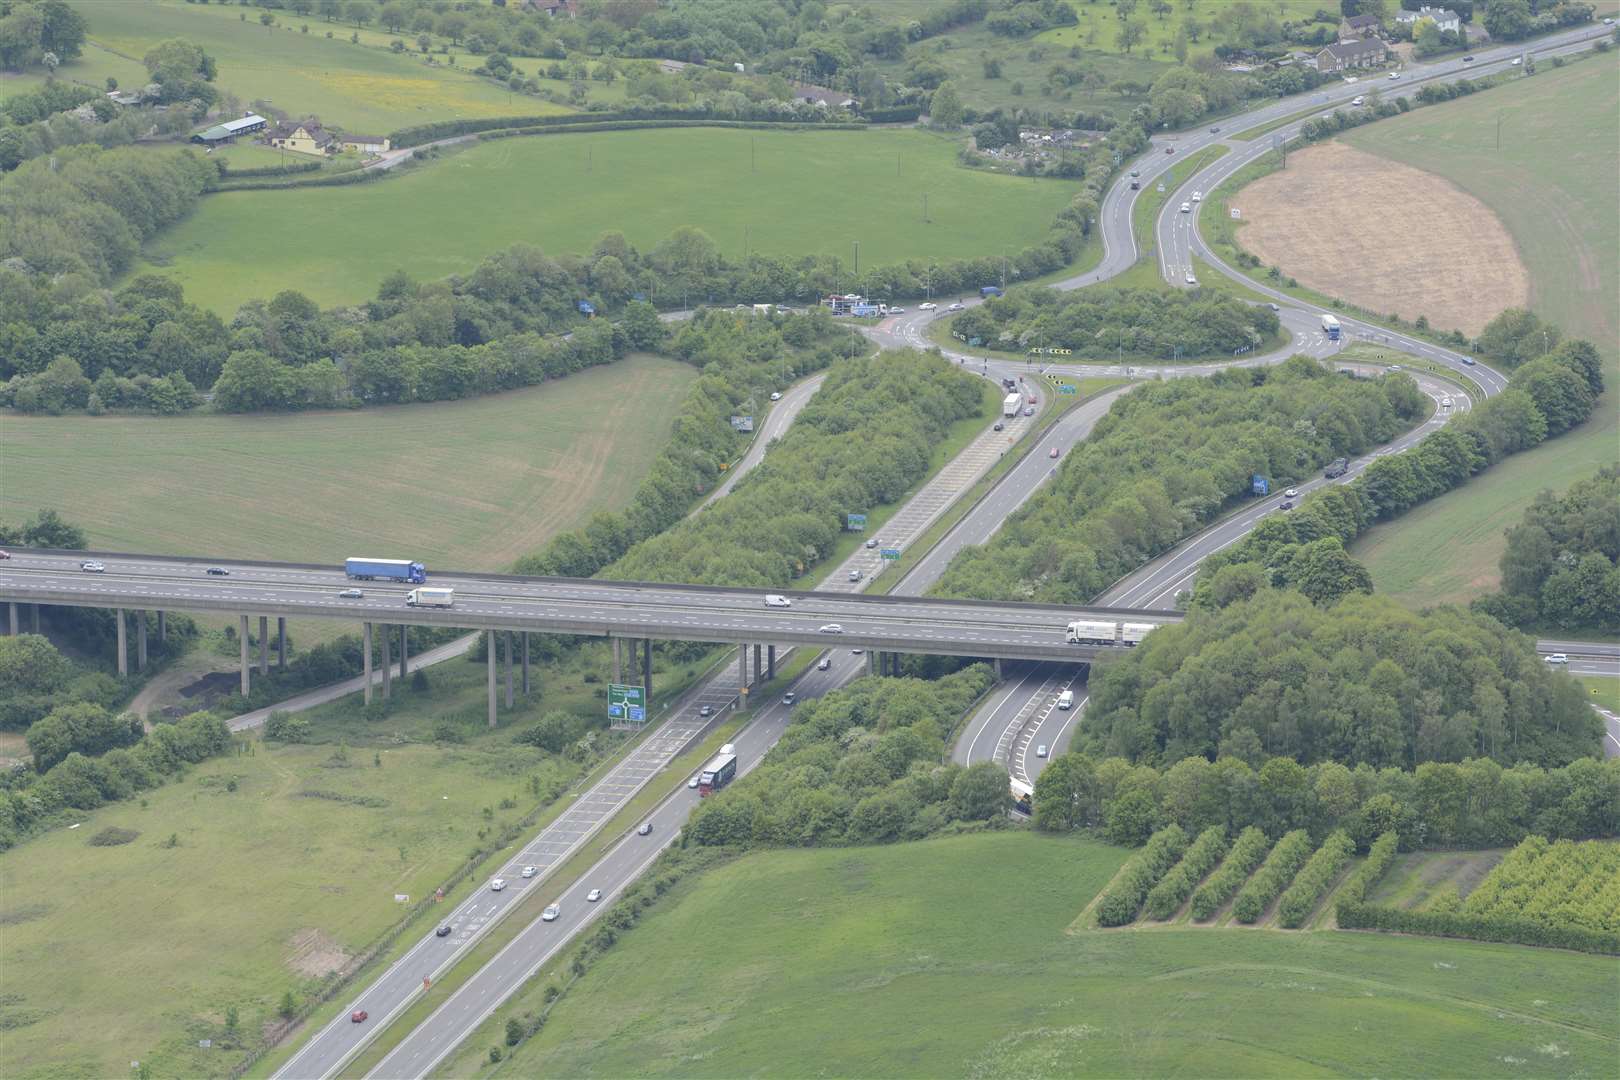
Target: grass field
358	88
1552	184
810	193
1603	691
470	484
114	954
948	958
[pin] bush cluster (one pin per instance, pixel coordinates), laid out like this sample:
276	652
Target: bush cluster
1562	563
1247	851
1301	897
1372	871
1174	888
1273	876
1167	459
1126	893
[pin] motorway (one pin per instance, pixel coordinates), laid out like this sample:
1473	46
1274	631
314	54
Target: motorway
626	856
568	605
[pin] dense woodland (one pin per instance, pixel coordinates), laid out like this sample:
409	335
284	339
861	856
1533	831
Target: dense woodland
1362	681
863	441
1167	458
861	765
1108	322
1304	549
1468	804
1562	563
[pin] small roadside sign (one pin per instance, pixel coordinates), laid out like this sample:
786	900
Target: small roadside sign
1068	388
891	553
855	522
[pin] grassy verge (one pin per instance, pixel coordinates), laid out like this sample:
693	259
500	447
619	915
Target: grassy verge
1265	129
851	961
915	552
1603	690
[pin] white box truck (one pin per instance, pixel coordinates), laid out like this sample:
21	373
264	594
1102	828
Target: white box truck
1009	405
1330	327
430	597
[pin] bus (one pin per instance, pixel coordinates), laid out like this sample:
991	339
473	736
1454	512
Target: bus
1022	795
719	772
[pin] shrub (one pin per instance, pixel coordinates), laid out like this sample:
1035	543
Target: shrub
1273	876
1379	856
1301	897
1250	847
1124	897
1179	883
113	836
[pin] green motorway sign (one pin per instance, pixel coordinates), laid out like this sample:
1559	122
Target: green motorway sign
627	702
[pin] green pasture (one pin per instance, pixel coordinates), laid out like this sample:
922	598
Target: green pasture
134	952
784	193
360	88
470	484
1552	184
949	958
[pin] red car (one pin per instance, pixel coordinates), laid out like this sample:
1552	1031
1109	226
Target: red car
358	1016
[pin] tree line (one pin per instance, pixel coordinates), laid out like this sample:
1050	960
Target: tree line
1115	322
1168	458
1562	563
740	359
1362	681
1304	549
862	442
860	765
1469	804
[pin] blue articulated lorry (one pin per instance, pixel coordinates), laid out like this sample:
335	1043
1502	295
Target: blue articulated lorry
385	570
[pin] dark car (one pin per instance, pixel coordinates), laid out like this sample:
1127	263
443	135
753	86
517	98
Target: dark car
443	931
1288	504
358	1016
219	571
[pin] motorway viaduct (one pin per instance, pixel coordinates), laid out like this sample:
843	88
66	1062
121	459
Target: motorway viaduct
509	608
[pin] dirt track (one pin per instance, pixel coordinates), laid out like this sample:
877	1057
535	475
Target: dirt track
1385	236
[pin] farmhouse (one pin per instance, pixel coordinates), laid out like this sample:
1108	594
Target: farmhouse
305	137
230	129
1347	55
820	95
1356	27
554	8
1445	20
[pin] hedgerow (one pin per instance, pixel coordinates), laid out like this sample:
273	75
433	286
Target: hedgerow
1273	876
1301	897
1379	856
1123	899
1247	851
1179	883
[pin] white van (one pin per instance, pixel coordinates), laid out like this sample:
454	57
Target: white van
1066	700
774	600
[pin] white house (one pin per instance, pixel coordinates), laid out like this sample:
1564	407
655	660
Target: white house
1444	19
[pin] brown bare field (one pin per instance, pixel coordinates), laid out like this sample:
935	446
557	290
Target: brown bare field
1384	236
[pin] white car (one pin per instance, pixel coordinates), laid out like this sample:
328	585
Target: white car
1291	493
1198	196
775	396
530	871
1040	751
1517	60
497	885
93	567
955	307
897	311
1358	101
1349	78
776	600
692	783
1394	74
1186	208
1445	403
825	663
1558	658
854	575
930	306
593	896
551	913
831	628
1190	279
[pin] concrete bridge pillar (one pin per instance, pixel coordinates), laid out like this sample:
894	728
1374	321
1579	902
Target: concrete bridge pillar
757	668
386	633
14	630
36	618
646	672
242	638
140	641
998	669
770	662
281	643
264	644
525	663
871	662
123	644
163	624
507	645
365	648
617	659
490	665
742	667
404	651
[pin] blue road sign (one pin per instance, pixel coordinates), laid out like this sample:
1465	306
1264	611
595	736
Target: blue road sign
855	523
1261	486
891	553
1068	388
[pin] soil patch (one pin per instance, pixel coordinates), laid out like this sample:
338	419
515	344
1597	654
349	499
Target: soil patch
1384	236
315	953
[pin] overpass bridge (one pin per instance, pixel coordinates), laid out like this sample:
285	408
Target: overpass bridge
508	608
